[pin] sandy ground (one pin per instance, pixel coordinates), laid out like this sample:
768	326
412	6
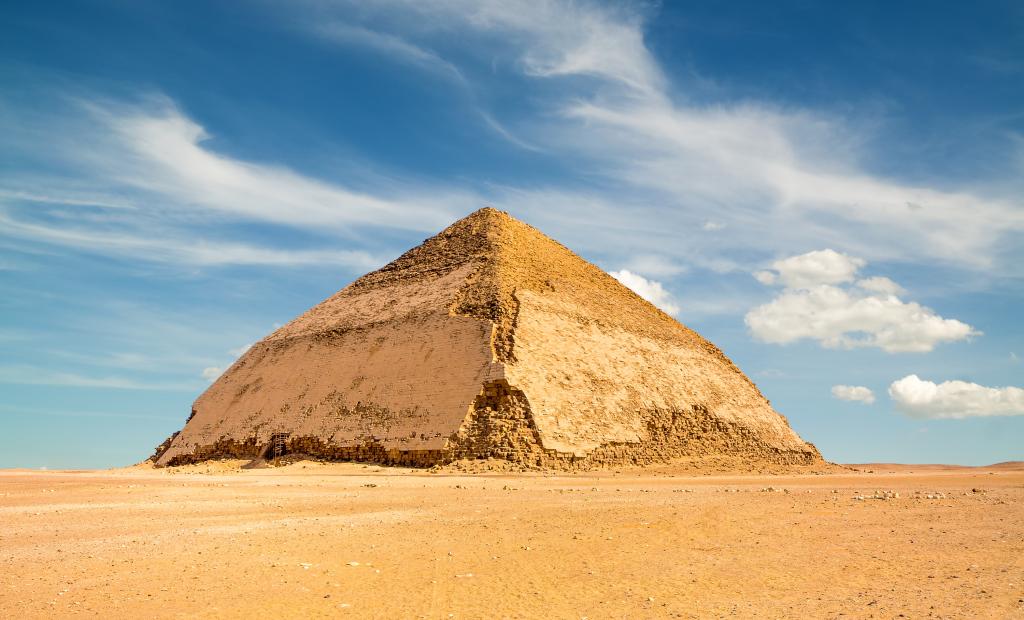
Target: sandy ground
313	540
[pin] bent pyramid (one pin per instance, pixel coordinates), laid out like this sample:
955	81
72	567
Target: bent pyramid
488	340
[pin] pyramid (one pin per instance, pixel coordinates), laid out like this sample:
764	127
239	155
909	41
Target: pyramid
489	340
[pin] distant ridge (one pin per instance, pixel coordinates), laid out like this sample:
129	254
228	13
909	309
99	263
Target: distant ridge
489	340
1009	465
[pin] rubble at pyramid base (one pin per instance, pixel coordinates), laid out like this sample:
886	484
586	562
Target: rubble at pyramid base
501	427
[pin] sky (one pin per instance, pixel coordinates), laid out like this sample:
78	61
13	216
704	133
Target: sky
833	193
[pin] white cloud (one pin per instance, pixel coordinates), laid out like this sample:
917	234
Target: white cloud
238	351
212	373
855	393
1013	357
843	318
651	290
954	399
880	284
813	305
818	267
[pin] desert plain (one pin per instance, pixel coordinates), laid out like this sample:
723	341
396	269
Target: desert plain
350	540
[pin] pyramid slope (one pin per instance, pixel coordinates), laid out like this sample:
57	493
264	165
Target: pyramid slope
489	339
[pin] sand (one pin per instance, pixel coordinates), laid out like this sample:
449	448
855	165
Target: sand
347	540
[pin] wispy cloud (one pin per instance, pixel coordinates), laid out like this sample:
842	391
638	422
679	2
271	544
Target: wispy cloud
32	375
156	148
9	410
140	180
179	249
388	44
760	169
81	200
107	340
777	178
654	265
710	185
551	38
505	133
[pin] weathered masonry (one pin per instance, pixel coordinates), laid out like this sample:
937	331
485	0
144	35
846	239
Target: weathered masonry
488	340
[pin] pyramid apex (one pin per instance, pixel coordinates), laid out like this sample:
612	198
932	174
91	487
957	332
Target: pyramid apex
484	222
488	214
488	210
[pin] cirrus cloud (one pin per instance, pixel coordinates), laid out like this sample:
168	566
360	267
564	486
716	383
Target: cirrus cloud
140	179
775	177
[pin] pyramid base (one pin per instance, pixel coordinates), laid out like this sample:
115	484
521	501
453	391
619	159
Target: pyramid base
500	427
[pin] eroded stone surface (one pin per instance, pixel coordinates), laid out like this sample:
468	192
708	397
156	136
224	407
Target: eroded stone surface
490	340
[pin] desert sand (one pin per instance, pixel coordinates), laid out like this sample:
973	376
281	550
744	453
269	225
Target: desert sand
350	540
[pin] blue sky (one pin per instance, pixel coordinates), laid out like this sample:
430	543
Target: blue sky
831	192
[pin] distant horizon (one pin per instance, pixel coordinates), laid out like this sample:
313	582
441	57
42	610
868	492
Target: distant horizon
829	194
115	467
